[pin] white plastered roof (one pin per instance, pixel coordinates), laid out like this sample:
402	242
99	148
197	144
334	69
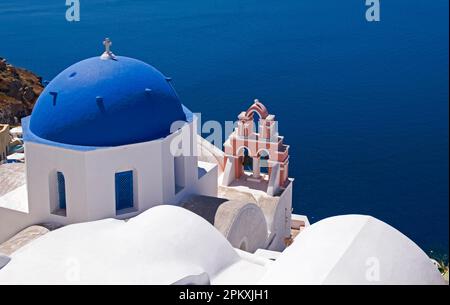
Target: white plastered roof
352	249
160	246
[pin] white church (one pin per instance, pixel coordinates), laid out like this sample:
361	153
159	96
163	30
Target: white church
115	165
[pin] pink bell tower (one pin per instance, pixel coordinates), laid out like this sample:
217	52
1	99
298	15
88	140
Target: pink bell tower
264	146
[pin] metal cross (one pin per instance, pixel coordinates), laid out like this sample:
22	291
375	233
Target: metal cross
107	43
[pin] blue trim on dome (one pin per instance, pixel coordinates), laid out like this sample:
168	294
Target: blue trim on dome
104	103
29	136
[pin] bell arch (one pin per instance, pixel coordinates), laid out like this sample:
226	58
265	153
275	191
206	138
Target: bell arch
259	108
264	147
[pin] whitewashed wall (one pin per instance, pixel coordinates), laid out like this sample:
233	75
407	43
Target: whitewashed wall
90	181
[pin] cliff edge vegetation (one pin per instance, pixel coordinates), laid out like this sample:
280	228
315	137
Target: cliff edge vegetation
19	89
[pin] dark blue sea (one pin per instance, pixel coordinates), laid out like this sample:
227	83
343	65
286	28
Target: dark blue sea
363	105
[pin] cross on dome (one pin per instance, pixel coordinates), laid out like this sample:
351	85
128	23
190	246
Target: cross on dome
108	54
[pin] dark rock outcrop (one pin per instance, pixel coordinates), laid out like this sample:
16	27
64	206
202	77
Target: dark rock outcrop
19	90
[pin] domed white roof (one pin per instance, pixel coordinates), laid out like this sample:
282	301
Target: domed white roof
352	249
168	244
163	245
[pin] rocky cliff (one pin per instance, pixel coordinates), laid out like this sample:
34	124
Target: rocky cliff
19	90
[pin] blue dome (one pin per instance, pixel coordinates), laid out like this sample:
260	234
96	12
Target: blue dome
106	103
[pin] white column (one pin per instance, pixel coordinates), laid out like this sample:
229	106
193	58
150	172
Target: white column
274	180
229	173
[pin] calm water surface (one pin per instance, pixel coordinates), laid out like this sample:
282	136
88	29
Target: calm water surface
363	105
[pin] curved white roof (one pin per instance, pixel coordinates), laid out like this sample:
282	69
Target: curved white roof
168	244
163	245
352	249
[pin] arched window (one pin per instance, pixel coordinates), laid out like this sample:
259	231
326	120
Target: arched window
245	158
124	191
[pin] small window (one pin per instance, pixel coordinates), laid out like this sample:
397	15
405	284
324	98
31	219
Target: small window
61	191
58	188
124	191
178	166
